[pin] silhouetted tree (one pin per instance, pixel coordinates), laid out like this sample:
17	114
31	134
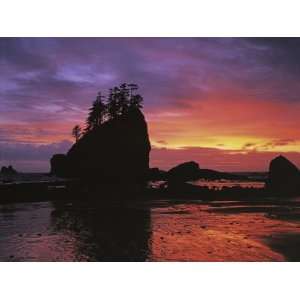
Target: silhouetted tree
132	88
113	105
123	98
97	114
76	132
136	100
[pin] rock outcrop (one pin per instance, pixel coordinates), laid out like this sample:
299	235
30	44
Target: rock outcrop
59	166
187	171
118	151
8	170
284	177
155	174
190	171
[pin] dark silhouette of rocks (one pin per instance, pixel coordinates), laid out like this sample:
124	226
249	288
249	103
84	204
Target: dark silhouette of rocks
215	175
186	191
156	174
186	171
8	170
118	151
284	177
58	164
114	146
190	171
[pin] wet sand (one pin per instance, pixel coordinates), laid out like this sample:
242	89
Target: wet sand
160	230
189	232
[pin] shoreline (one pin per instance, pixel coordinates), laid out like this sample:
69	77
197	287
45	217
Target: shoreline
71	189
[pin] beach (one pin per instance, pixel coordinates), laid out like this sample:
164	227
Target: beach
156	230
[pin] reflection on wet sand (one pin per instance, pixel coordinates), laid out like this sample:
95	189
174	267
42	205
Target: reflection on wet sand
45	231
26	234
193	232
108	233
160	230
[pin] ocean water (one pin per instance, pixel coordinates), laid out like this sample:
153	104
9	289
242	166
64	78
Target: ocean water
219	184
27	178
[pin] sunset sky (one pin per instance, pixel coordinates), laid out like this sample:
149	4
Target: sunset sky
230	104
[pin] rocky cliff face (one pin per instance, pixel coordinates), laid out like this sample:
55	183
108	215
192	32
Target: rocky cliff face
117	151
58	164
284	177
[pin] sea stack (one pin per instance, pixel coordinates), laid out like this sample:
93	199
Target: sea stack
118	151
284	177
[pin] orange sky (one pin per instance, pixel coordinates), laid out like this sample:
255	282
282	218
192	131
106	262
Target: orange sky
242	128
228	124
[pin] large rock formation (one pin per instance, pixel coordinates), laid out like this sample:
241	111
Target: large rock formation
284	177
118	151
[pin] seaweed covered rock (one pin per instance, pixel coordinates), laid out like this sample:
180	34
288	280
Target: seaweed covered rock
284	177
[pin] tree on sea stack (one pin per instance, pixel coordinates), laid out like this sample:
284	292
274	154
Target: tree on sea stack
97	113
135	100
76	132
113	105
122	99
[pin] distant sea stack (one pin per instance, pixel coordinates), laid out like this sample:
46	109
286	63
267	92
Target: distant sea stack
118	151
190	171
284	177
8	170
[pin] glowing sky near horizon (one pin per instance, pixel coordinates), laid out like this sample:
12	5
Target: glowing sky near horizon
229	103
